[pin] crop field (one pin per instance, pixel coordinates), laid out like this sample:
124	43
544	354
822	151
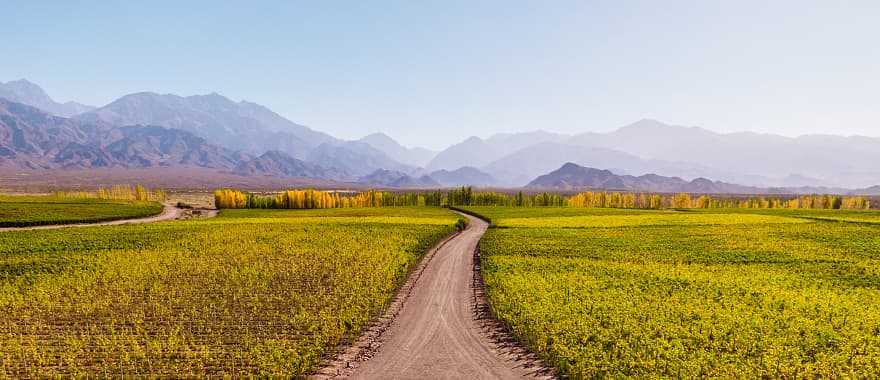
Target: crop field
855	216
250	292
24	211
711	293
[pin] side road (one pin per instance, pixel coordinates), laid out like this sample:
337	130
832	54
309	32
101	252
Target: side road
169	212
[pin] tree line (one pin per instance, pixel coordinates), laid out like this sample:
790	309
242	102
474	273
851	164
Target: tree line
316	199
117	192
684	200
466	196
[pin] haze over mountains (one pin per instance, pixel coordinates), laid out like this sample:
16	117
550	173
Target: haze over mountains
416	157
145	129
33	139
574	177
25	92
241	126
649	146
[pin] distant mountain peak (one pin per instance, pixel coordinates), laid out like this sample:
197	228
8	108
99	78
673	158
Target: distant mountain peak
396	179
139	95
26	92
655	126
281	164
645	124
378	135
380	138
52	142
463	176
390	147
239	126
214	96
575	177
569	166
23	83
648	121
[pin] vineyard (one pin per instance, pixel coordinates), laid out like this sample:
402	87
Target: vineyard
599	284
248	293
25	211
737	293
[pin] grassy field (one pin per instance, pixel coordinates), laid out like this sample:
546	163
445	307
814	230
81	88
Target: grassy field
732	294
251	292
24	211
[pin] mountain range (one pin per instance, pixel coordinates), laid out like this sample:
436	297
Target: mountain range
33	139
146	129
573	177
415	157
277	163
649	146
396	179
463	176
235	125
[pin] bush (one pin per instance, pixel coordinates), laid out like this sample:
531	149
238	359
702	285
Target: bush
461	224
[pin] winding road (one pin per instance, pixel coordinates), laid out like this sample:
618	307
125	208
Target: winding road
169	212
440	332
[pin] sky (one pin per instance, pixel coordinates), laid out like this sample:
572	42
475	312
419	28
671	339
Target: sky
431	73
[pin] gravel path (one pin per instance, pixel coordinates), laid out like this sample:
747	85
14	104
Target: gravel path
443	329
169	212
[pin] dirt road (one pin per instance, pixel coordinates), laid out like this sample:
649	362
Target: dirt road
440	332
170	212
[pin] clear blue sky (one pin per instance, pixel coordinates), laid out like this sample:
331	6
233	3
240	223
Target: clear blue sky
432	73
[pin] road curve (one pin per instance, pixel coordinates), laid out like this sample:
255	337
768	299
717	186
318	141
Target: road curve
439	334
169	212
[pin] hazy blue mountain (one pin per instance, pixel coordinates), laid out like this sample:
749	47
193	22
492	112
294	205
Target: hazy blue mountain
873	190
837	160
575	177
252	128
24	92
396	179
73	155
511	159
151	146
464	176
31	138
356	158
689	152
473	151
277	163
235	125
476	152
417	157
510	142
520	167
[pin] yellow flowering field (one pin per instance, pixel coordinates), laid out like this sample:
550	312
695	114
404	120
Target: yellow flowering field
249	293
795	295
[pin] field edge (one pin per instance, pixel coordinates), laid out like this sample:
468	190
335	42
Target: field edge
19	225
497	330
342	360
